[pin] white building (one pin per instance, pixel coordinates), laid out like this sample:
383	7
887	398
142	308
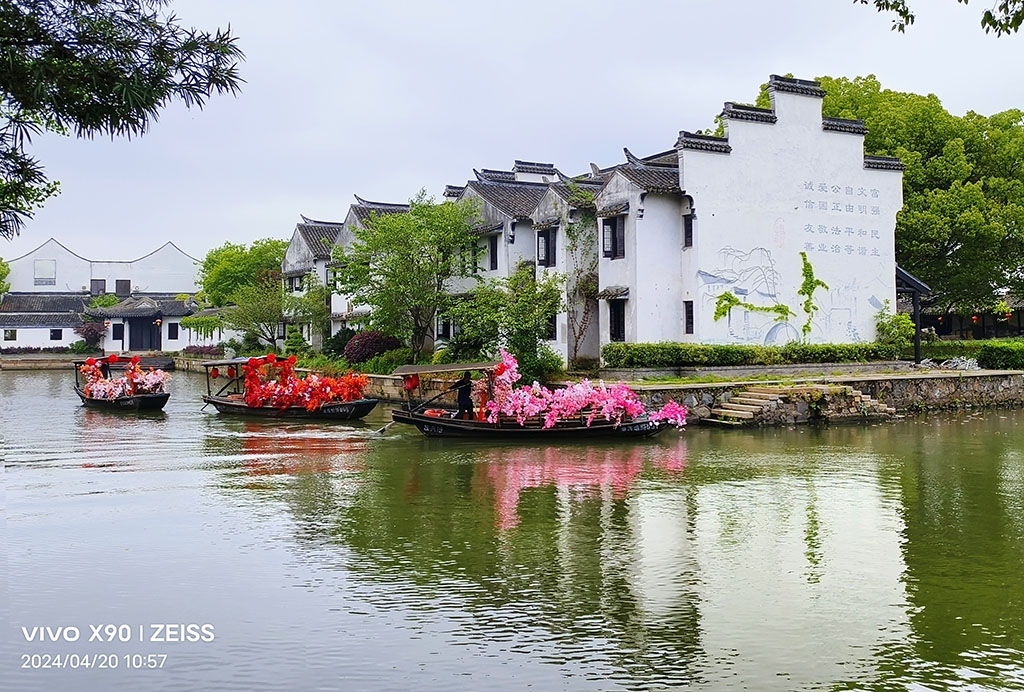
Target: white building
743	207
53	268
309	253
51	288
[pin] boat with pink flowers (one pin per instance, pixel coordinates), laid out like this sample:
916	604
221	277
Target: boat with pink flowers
137	389
576	410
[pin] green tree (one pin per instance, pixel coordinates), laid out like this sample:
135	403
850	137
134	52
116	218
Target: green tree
258	309
227	268
94	67
514	313
961	229
5	270
1004	18
293	341
401	266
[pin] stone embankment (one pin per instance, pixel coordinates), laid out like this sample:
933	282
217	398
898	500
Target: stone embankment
841	398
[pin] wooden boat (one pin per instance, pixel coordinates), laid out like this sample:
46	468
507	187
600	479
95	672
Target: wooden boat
445	426
132	402
139	402
442	423
230	398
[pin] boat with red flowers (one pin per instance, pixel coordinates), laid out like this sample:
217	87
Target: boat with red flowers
137	389
269	386
577	410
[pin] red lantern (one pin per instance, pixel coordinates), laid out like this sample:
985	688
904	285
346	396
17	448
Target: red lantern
106	323
214	373
136	359
157	322
113	358
90	361
271	357
1009	315
940	319
410	382
253	362
500	370
292	358
974	318
231	371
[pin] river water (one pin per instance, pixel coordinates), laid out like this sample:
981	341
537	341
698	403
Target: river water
328	557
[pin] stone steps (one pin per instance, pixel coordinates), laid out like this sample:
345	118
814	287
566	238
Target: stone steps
749	401
741	407
732	413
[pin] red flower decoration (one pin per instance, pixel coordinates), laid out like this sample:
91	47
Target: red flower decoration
271	357
215	373
90	361
292	358
135	359
253	362
500	370
113	358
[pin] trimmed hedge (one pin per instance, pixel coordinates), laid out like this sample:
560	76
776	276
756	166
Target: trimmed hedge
673	355
1001	355
944	350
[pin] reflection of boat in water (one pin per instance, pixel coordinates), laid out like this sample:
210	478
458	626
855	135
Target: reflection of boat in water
232	397
138	402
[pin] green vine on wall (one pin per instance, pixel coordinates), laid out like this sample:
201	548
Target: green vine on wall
807	288
203	325
728	300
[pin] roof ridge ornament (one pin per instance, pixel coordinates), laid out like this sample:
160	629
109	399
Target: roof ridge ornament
633	159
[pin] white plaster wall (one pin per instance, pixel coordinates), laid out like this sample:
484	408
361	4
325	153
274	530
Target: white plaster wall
622	271
658	293
39	337
787	188
166	270
73	271
297	257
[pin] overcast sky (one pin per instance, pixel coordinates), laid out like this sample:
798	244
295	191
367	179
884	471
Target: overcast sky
383	98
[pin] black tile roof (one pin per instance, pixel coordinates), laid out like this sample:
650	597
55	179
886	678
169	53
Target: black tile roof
145	307
804	87
663	179
613	209
691	140
738	111
40	319
319	236
43	302
364	208
565	189
517	200
453	190
534	167
491	175
883	163
854	127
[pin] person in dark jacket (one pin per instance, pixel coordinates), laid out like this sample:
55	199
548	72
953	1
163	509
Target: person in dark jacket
465	392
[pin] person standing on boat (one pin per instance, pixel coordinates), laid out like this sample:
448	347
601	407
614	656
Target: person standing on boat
465	391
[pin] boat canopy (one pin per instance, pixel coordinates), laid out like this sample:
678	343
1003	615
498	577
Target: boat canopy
449	367
218	363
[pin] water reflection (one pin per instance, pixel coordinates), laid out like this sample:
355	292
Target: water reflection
884	557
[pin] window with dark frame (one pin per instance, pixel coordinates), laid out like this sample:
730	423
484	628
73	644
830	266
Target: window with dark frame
613	237
688	314
492	245
444	328
97	287
617	320
117	331
10	335
546	248
688	230
552	331
123	288
172	331
56	334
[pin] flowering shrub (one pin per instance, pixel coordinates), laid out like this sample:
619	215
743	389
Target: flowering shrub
14	350
271	381
134	381
366	345
582	399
